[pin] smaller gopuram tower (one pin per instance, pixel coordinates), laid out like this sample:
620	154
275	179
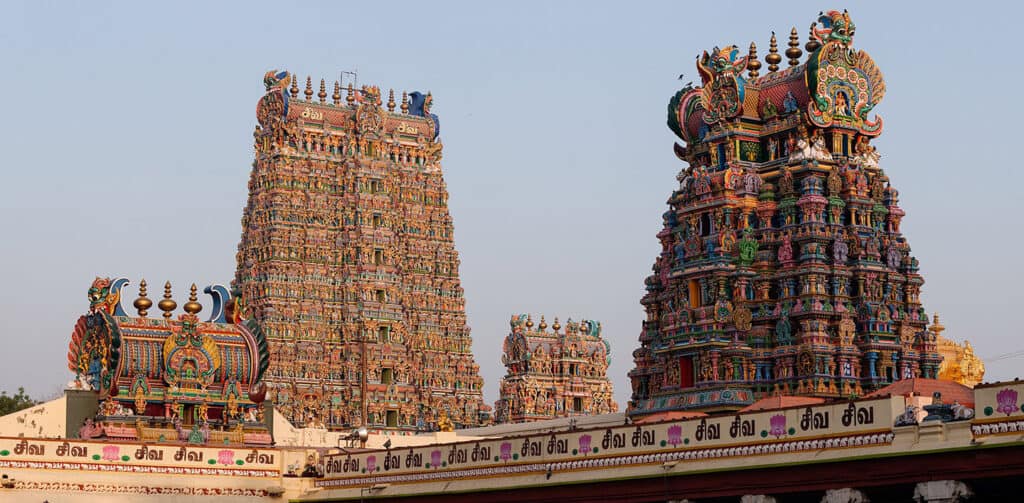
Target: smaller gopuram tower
783	270
554	374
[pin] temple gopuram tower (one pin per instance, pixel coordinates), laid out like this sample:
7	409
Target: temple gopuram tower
347	261
782	268
554	374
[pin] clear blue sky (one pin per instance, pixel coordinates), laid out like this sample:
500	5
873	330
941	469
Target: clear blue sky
126	147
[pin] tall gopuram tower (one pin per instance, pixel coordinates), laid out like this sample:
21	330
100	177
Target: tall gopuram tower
554	374
782	268
348	264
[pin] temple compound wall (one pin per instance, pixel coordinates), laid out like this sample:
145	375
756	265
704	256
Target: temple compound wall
347	262
783	270
554	374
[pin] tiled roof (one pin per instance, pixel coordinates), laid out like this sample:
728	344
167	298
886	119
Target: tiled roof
781	402
926	387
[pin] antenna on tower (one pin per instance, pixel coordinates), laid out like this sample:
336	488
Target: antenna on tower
353	75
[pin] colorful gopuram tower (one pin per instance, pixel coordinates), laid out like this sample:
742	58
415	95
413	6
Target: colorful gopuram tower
347	261
554	374
782	268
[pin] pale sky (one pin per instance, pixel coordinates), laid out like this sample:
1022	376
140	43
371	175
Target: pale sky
126	146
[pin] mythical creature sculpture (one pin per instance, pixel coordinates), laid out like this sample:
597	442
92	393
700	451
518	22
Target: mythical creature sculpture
723	89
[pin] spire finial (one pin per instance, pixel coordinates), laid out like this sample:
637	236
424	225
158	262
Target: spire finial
323	92
773	58
193	307
543	324
309	88
167	305
336	97
753	65
391	100
794	52
351	98
529	321
142	304
405	102
556	326
295	87
812	43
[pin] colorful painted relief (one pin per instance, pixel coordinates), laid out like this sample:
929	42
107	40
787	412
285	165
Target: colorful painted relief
783	270
347	262
554	374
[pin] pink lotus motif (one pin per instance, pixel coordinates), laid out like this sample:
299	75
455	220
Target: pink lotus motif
435	459
675	435
584	444
226	457
371	464
1007	400
111	453
506	451
778	425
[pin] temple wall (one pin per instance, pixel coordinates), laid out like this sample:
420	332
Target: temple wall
46	420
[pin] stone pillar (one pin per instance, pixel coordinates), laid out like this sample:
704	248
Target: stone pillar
757	498
844	495
942	491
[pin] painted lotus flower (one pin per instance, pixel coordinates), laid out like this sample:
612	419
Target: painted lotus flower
111	453
371	464
506	451
675	435
584	444
778	425
226	457
1007	400
435	459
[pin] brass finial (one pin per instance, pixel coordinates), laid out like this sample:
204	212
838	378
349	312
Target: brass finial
543	324
336	97
405	102
192	307
323	92
753	65
529	321
351	98
391	100
309	88
167	305
773	58
556	326
142	303
794	52
295	87
937	327
812	43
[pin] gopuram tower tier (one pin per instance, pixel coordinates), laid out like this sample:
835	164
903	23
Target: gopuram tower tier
347	261
782	268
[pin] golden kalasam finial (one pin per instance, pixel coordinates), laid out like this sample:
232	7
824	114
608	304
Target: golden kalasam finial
142	304
812	43
167	305
773	58
336	97
794	52
753	65
391	100
192	307
529	321
555	326
405	102
309	88
937	327
351	98
295	87
543	324
323	92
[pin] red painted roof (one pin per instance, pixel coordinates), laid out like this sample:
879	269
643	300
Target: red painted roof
673	415
926	387
781	402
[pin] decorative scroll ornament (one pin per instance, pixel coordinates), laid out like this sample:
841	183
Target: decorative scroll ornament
191	359
722	93
845	85
95	348
274	105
